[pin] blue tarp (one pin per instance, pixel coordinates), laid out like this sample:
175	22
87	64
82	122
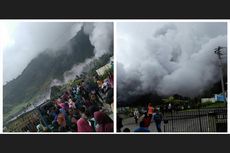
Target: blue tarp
219	97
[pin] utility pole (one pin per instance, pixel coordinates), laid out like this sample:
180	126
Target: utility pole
219	53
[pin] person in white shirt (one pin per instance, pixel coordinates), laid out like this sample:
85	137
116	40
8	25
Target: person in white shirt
136	115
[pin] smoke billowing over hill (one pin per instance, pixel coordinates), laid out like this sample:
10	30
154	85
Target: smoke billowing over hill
168	58
58	62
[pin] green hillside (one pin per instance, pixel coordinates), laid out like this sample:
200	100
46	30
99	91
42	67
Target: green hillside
37	76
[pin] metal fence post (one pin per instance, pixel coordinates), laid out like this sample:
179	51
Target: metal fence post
165	122
212	121
172	120
199	119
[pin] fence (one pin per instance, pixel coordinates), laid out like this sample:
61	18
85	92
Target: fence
196	120
24	123
27	122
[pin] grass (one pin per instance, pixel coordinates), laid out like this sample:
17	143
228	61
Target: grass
217	105
16	109
209	105
20	107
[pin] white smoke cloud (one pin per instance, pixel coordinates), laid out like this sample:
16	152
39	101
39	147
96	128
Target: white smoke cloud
28	39
101	36
168	58
23	41
76	70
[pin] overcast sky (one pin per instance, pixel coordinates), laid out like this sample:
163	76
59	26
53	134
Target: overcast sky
167	58
23	41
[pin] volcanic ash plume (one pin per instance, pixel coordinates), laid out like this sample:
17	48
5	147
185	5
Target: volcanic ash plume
177	58
101	37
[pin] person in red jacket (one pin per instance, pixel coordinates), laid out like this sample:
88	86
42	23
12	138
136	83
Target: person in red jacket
150	110
147	120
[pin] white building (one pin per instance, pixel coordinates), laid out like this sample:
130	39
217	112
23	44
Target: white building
104	68
204	100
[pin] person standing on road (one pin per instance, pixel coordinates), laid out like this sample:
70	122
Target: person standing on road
170	107
136	115
150	110
147	120
157	118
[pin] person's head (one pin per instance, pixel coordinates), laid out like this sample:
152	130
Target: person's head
126	130
84	112
156	110
70	100
87	113
92	109
70	111
76	114
74	100
99	117
93	92
61	119
66	106
150	105
83	126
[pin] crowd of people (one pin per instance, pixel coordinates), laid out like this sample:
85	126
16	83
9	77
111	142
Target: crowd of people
80	109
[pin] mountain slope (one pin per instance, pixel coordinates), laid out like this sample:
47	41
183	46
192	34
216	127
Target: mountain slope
39	73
